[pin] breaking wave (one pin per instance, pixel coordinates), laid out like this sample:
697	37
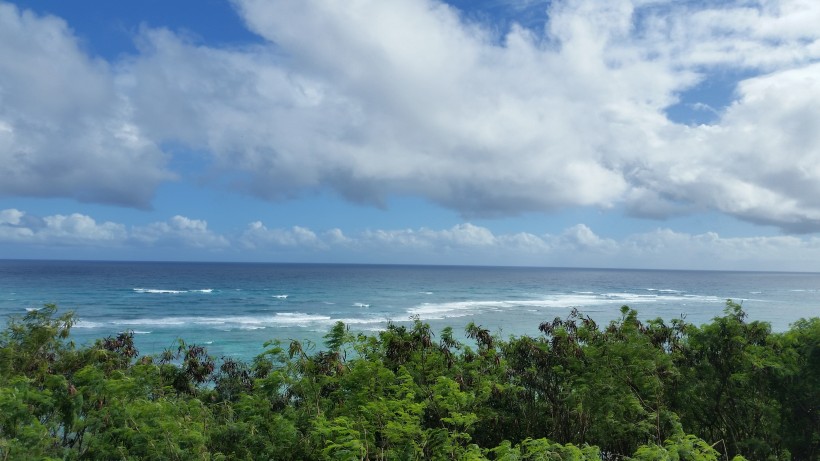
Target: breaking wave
160	291
581	300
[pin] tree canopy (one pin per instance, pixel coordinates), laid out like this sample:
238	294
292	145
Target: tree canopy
632	389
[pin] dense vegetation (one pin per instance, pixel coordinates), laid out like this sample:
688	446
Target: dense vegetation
630	390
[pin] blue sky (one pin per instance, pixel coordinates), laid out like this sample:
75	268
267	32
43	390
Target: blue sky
641	134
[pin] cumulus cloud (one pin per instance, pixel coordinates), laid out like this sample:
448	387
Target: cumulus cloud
65	130
460	236
75	229
576	246
768	35
258	236
408	97
582	237
710	250
466	243
411	97
179	230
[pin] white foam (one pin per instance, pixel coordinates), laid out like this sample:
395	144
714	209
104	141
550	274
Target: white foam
298	318
167	321
246	322
547	304
87	324
162	291
158	291
360	321
139	332
664	290
281	296
438	311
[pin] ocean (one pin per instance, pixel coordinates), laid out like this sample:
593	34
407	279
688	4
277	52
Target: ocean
234	308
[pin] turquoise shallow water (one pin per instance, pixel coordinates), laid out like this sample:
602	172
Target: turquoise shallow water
234	308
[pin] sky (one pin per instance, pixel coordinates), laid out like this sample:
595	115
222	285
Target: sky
568	133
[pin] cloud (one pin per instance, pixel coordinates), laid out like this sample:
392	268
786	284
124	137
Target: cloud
82	230
373	99
258	236
65	131
710	250
343	100
466	243
411	97
58	230
460	236
179	230
760	163
11	217
581	237
576	246
767	35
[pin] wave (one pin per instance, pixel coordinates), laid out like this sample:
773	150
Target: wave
88	324
281	296
438	311
245	322
361	320
665	290
581	300
157	291
359	316
160	291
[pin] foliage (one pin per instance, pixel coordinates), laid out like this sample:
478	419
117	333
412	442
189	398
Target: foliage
629	390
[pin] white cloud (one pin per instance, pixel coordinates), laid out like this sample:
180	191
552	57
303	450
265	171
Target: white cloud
82	230
65	130
460	237
179	230
75	229
709	250
581	237
576	246
760	163
11	217
762	34
258	236
373	98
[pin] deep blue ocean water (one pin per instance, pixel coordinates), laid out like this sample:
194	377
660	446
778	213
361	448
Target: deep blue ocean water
233	308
